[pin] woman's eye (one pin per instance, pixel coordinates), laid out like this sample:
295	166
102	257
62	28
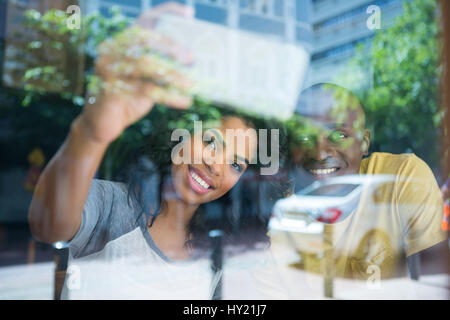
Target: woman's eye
236	166
211	143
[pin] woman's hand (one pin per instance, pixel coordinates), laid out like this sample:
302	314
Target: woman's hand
136	69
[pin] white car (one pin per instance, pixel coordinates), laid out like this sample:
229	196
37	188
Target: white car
300	218
327	201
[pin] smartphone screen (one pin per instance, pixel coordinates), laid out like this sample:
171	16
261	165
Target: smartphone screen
239	69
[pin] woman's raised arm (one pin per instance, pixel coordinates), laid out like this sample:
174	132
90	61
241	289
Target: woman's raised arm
129	85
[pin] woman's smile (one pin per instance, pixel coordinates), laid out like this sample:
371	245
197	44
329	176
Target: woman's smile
198	181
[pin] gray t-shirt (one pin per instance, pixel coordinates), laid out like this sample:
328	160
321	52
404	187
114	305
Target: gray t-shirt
107	215
113	256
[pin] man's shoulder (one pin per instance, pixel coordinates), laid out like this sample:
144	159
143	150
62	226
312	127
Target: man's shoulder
389	163
391	157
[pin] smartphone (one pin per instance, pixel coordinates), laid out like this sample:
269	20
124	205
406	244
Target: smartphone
238	69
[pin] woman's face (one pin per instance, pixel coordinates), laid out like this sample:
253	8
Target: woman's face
219	164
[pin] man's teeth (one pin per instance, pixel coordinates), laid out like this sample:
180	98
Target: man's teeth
199	180
323	171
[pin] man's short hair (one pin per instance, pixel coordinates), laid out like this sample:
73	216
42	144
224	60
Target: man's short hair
320	98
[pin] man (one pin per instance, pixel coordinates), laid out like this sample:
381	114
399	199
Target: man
392	221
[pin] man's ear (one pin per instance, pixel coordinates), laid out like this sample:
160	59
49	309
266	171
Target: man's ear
365	142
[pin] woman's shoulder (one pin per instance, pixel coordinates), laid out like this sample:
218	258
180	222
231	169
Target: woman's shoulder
110	193
101	186
116	199
107	215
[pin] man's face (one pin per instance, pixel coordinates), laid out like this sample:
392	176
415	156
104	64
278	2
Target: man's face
333	143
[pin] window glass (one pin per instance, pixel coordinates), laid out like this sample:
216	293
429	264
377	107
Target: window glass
223	150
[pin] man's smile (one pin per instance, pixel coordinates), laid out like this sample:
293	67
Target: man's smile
324	171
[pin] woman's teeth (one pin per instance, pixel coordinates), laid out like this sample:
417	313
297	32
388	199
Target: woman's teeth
322	171
199	180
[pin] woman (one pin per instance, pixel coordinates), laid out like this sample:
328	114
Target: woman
154	180
128	243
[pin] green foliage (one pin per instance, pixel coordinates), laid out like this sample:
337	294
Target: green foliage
401	103
41	112
45	117
44	73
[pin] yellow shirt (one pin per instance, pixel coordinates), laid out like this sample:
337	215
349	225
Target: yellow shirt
394	220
